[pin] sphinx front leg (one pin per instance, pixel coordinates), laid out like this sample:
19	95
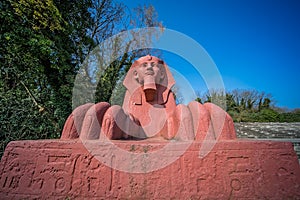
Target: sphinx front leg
180	124
112	123
211	122
221	121
118	125
203	127
93	118
73	124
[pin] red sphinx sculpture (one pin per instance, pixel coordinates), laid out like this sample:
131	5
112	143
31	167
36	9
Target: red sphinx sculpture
230	168
149	111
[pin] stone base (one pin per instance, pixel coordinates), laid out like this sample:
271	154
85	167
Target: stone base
62	169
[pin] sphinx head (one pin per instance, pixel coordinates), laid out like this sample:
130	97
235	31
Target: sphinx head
148	69
149	72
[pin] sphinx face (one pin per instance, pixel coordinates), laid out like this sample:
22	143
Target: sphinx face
149	72
153	76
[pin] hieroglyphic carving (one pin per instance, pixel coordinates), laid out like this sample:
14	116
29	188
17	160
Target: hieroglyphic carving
16	170
240	172
53	172
223	174
207	176
60	185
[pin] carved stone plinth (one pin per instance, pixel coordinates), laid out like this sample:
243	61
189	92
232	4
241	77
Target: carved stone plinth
62	169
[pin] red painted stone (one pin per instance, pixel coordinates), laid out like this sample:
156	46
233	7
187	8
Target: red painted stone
65	169
149	111
75	121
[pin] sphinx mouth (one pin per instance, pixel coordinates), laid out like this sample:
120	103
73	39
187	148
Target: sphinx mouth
149	73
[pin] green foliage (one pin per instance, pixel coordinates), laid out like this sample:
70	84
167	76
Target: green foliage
109	80
43	44
198	99
251	106
268	115
289	117
38	65
118	94
40	14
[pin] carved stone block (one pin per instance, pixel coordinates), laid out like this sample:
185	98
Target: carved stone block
63	169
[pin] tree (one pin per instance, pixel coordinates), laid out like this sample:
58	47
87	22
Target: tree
43	44
215	96
198	99
179	99
266	103
268	115
109	78
39	58
231	104
246	105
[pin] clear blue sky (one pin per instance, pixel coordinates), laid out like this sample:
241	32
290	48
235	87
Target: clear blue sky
254	43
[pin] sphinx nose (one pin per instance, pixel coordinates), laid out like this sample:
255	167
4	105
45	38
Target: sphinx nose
149	66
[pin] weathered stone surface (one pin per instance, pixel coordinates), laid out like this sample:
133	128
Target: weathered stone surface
237	169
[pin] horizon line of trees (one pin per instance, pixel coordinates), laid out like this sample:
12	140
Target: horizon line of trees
249	106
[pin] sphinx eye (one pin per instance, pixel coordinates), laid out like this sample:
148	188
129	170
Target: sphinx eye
153	64
144	64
